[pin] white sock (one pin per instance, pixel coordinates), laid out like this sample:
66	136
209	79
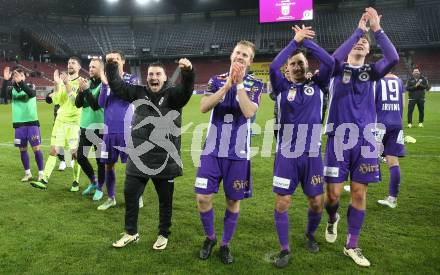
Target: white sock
27	172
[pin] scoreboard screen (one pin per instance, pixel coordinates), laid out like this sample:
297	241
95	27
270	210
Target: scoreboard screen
285	10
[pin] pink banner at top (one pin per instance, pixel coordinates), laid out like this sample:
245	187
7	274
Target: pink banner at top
285	10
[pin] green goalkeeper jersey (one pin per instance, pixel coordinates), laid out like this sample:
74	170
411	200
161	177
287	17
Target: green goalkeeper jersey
24	108
91	118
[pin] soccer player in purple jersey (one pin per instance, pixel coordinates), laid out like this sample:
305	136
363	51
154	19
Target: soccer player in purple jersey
352	106
298	156
24	118
117	123
233	99
389	108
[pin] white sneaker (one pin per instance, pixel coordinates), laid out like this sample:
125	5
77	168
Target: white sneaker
347	188
27	177
356	255
161	243
106	205
331	231
62	166
388	201
40	177
421	125
409	125
126	239
141	202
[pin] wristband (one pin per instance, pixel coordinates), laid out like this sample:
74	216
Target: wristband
240	86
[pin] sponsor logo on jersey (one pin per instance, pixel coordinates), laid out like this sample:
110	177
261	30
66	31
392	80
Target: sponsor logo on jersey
201	183
332	172
281	182
365	168
317	179
240	184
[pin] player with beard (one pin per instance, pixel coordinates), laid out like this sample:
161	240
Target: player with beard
156	123
298	157
352	104
24	118
232	98
91	123
65	132
117	119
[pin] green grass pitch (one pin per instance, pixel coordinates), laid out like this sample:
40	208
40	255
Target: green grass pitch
55	231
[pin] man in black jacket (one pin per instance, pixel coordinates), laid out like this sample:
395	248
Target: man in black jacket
417	86
154	144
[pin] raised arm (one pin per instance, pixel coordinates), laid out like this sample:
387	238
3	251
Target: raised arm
390	56
341	53
181	94
247	106
5	90
214	94
277	79
326	61
86	95
25	87
118	87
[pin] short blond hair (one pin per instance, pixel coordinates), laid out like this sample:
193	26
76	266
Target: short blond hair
247	44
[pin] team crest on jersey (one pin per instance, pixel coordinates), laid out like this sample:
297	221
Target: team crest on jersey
292	93
210	85
364	76
309	90
346	77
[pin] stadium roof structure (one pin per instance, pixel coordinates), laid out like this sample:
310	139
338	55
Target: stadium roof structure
126	7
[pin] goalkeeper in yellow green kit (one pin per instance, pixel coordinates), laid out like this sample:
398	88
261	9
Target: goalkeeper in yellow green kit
65	132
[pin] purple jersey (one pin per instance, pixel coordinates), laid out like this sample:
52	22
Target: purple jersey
300	104
115	109
229	130
389	102
352	89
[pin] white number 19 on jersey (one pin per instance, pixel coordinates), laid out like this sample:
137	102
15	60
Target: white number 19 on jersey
392	87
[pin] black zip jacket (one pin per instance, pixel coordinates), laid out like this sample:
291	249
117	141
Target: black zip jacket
155	134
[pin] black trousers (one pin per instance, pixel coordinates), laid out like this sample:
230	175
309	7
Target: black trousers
420	102
134	187
84	147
